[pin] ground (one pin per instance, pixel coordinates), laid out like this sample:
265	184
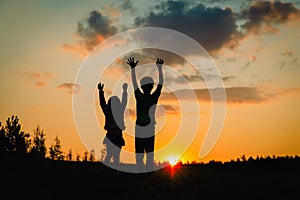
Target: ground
49	179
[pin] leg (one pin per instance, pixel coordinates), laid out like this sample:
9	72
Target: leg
108	154
150	153
139	154
116	157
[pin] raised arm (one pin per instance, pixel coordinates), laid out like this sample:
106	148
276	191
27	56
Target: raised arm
159	64
132	64
124	96
101	97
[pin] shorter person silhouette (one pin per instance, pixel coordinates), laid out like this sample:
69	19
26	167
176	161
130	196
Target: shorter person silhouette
114	124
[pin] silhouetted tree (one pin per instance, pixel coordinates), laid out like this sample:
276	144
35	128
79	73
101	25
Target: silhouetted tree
103	153
92	155
250	159
194	162
77	157
243	158
85	156
69	155
38	149
14	142
55	150
179	163
3	142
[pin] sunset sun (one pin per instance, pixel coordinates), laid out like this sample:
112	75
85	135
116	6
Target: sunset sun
172	160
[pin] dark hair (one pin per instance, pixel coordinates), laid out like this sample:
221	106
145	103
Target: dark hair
114	101
146	80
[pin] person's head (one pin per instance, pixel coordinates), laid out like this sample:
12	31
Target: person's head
147	84
114	102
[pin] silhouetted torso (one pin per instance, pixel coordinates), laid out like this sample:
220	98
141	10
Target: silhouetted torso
146	106
114	122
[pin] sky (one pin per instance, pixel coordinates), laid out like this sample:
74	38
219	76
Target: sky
253	45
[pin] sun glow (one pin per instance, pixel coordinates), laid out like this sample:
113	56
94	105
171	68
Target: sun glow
172	160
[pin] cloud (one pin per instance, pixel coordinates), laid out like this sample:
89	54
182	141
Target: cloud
95	29
161	110
40	84
245	66
185	78
39	79
74	49
290	64
227	78
234	95
262	16
192	78
253	58
288	61
39	75
150	55
211	27
69	87
171	109
127	5
288	53
214	28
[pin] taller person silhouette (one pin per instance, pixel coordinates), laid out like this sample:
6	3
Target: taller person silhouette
145	111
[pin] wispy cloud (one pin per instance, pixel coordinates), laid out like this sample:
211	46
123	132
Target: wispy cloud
171	109
40	84
288	53
70	88
38	79
71	48
235	95
161	110
185	78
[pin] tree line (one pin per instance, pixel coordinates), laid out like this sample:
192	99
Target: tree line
18	144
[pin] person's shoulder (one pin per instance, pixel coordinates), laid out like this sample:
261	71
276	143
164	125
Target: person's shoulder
138	92
158	88
157	91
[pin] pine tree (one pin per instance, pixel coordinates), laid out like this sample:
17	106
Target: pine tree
92	156
15	143
38	149
70	155
77	157
55	150
85	156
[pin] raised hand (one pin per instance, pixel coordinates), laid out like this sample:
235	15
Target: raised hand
159	62
125	86
100	87
131	63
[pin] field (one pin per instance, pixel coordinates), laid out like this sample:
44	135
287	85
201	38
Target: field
48	179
